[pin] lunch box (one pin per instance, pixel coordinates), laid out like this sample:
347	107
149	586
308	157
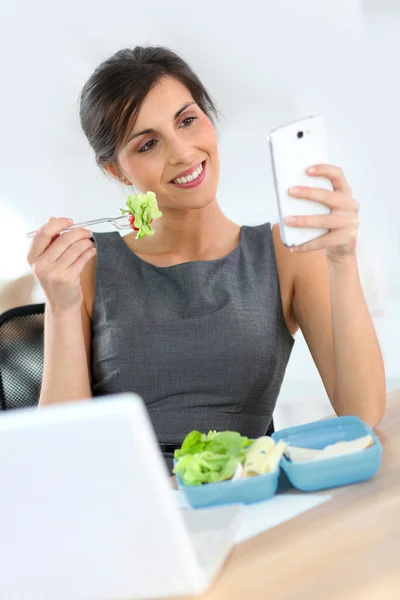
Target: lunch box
307	476
243	491
311	476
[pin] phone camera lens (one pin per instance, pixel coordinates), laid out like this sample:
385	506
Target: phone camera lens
300	134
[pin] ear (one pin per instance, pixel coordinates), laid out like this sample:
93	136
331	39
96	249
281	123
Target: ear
115	173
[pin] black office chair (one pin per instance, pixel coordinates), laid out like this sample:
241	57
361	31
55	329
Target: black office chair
21	356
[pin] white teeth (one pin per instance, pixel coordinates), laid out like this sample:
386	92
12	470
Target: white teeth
191	177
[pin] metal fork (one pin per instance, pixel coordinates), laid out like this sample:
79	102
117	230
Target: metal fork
118	222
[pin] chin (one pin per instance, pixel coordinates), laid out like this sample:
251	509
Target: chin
191	202
200	203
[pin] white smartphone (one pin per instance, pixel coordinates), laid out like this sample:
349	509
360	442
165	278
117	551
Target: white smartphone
294	148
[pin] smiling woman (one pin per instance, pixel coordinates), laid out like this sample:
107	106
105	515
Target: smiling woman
199	318
167	131
131	137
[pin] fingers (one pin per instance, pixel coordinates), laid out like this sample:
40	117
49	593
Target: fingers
64	242
335	174
331	221
77	267
342	223
72	253
68	267
46	235
73	263
337	238
56	258
334	200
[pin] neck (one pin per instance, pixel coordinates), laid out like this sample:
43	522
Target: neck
191	232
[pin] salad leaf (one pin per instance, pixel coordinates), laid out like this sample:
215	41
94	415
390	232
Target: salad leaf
227	442
206	467
210	458
145	209
192	443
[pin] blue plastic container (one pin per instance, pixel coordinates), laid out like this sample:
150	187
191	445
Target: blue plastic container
311	476
240	491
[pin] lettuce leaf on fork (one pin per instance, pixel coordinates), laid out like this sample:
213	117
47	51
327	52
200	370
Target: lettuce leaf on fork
145	209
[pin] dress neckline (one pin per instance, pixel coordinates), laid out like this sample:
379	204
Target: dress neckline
188	262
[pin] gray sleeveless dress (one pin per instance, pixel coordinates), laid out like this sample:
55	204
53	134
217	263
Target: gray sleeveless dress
204	343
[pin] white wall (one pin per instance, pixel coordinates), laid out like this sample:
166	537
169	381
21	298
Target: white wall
265	64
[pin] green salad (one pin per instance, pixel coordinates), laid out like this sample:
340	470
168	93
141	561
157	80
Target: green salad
142	210
209	458
218	456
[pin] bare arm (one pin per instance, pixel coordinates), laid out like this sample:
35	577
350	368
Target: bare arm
66	374
58	262
330	308
329	304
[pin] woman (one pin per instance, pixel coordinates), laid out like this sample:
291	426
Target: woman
199	319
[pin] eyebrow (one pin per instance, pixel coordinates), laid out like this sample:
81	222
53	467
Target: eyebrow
145	131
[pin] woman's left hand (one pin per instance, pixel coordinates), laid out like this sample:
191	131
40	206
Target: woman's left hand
342	222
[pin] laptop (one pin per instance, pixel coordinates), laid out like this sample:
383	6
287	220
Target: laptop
87	511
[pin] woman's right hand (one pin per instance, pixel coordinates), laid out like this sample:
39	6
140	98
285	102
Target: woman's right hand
58	260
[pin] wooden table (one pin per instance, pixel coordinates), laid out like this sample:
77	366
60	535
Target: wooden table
345	549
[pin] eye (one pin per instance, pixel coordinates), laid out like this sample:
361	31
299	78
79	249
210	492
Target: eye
147	146
190	119
152	143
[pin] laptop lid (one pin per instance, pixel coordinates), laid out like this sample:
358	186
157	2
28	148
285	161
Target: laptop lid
85	506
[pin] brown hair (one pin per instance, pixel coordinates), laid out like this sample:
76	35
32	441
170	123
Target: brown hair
112	97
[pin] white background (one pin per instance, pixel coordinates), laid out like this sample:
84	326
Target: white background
265	64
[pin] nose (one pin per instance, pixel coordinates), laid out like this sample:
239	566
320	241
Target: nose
180	151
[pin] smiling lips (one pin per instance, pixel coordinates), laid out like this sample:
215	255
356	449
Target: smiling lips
192	179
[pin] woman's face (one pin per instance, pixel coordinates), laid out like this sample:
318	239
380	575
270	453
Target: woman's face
182	139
